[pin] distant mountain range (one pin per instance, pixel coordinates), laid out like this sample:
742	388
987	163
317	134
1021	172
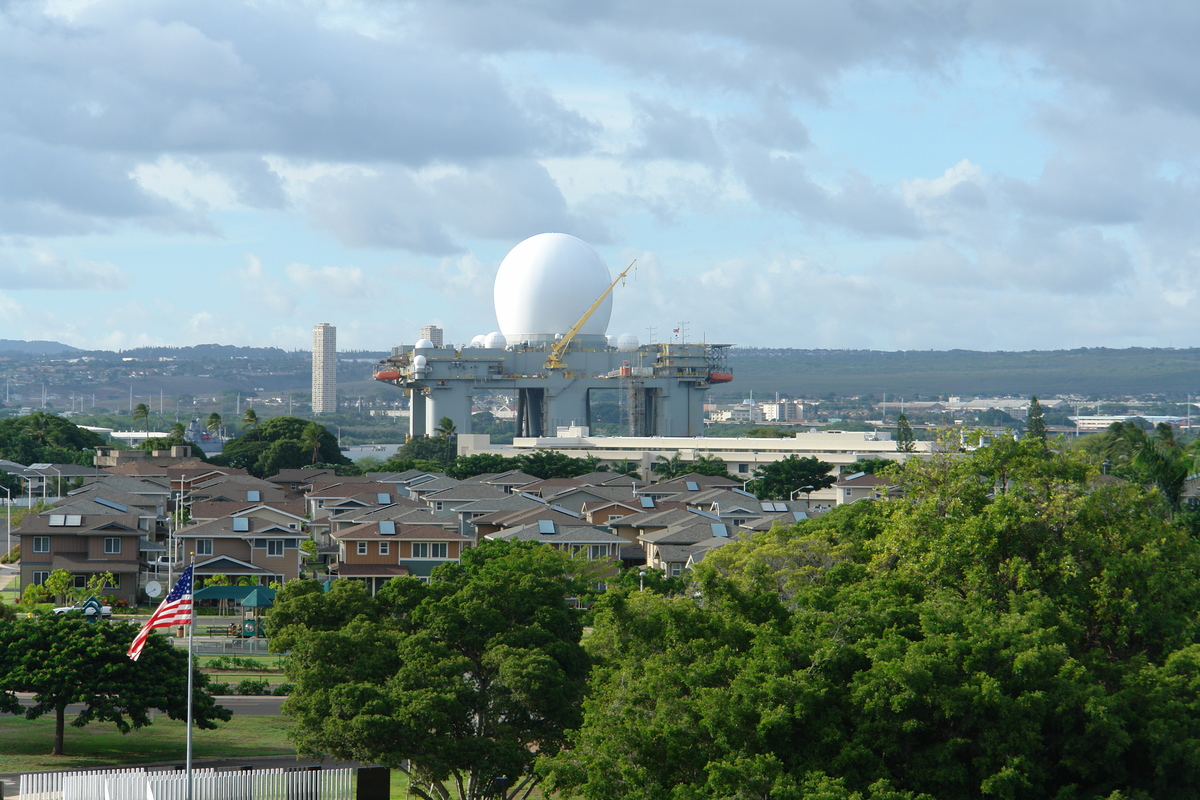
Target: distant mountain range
36	348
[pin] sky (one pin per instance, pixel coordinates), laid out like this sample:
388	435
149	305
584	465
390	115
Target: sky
891	175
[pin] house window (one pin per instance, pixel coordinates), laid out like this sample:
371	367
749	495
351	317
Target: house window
204	547
41	544
362	548
598	551
112	545
40	577
385	548
743	468
437	505
79	581
274	547
420	549
676	569
438	550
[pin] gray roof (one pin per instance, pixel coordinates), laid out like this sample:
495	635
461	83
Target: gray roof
466	491
563	534
131	484
509	502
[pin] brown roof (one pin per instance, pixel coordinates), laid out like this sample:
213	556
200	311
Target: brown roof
79	562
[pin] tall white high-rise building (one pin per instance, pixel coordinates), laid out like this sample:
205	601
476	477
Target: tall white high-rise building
433	333
324	369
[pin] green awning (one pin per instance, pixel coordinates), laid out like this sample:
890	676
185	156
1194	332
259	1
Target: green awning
259	598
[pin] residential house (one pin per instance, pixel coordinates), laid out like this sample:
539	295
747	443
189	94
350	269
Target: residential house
85	545
376	552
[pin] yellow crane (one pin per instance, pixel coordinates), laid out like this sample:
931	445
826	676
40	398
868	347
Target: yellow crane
554	360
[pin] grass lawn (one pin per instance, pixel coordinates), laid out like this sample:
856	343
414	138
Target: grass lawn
25	744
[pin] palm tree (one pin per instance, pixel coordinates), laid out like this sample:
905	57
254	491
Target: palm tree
178	431
671	467
445	428
311	438
141	412
1153	459
214	422
250	419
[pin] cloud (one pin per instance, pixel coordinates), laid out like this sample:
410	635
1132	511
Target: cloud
337	281
46	269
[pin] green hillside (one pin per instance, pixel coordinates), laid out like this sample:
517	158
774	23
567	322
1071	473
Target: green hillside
914	374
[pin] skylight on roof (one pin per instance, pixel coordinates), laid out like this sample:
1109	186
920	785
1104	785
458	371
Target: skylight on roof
387	527
692	486
719	529
241	524
647	502
383	499
253	496
546	527
110	504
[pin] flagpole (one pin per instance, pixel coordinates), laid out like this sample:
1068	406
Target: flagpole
191	629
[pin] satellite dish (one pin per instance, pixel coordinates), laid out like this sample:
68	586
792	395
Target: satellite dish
154	588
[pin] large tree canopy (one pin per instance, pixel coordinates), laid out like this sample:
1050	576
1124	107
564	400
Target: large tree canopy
779	480
458	681
65	660
1008	628
42	437
281	443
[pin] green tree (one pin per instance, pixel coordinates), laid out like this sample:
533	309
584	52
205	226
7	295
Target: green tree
668	468
250	419
710	465
778	480
141	413
546	464
627	466
458	681
65	660
214	422
469	466
59	583
1149	458
1008	628
310	438
1035	422
905	441
445	428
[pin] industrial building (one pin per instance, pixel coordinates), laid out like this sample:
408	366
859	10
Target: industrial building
553	302
324	369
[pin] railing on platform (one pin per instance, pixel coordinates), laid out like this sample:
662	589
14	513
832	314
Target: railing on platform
207	784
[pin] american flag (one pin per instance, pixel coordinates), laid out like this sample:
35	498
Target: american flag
176	609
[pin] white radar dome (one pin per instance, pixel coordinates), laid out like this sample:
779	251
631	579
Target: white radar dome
495	341
477	341
419	362
546	283
627	342
423	344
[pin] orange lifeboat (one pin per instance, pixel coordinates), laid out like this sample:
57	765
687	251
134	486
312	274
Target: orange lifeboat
387	375
719	377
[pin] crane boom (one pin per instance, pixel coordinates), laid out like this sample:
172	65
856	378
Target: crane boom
554	360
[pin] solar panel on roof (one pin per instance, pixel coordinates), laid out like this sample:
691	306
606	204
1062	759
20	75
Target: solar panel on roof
692	486
241	524
254	496
781	507
546	526
647	502
57	520
383	499
387	527
74	520
110	504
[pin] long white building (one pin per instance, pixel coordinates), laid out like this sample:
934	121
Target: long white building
741	455
324	369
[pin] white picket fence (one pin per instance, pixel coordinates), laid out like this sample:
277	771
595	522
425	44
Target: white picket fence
207	784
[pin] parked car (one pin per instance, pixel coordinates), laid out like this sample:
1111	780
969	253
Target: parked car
105	611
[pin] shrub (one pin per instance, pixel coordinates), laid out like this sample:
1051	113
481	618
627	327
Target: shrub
283	689
253	687
218	688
